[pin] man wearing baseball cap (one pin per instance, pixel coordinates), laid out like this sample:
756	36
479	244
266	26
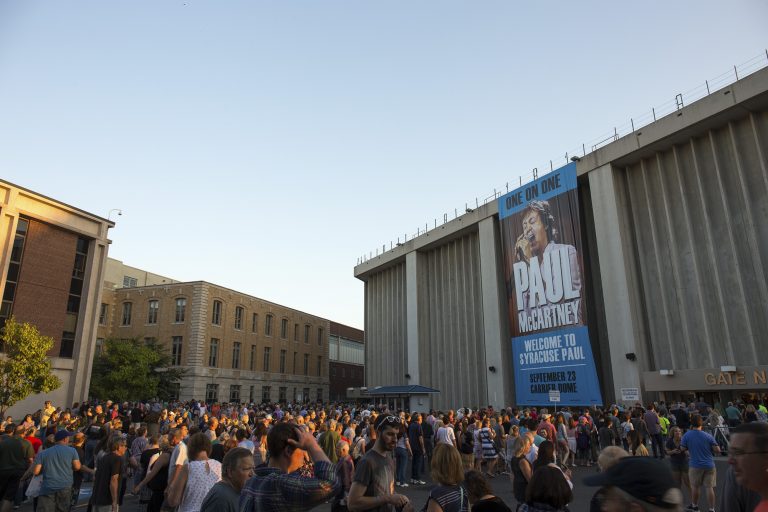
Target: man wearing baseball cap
638	484
56	465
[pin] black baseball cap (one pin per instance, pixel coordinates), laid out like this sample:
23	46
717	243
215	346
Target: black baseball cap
649	480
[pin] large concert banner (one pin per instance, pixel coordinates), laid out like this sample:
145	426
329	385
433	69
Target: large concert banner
544	272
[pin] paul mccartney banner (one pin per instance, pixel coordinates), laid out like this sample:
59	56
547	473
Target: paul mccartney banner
544	271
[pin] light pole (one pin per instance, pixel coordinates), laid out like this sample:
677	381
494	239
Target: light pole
118	210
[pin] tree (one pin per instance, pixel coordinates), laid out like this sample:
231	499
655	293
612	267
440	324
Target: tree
25	369
132	369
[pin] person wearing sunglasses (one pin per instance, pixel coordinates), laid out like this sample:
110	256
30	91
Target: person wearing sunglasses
373	486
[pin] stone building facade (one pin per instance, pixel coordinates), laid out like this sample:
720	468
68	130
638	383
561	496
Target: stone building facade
234	347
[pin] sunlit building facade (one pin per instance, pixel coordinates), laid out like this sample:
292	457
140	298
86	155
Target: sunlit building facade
52	261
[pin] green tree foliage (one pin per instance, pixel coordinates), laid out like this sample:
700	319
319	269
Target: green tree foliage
25	369
133	369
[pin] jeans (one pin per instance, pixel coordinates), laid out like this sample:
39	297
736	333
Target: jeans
59	501
401	458
417	465
658	445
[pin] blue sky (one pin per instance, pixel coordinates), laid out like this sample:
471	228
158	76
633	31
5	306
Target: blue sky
265	146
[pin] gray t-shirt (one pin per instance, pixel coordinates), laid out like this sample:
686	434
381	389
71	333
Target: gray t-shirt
221	498
377	473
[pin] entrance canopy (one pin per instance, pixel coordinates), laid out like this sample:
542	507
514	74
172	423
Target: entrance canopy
413	398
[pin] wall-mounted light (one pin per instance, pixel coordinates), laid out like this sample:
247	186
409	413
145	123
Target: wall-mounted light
407	375
728	369
492	369
575	159
631	356
668	373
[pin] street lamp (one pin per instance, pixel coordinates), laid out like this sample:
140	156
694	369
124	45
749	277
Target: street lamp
118	210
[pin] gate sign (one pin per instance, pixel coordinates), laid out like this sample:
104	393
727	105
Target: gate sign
630	394
543	268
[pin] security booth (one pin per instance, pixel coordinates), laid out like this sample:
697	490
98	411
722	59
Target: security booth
403	398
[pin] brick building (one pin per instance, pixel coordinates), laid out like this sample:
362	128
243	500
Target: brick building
52	259
347	360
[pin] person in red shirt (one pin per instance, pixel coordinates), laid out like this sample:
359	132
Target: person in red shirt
34	440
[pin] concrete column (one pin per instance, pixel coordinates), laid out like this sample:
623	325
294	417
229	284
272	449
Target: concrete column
496	346
615	260
412	278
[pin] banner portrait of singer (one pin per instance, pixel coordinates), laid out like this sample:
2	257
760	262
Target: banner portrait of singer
543	272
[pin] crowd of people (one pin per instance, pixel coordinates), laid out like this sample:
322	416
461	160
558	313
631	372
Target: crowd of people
192	456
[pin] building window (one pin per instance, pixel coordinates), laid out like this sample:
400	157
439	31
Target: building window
14	269
319	394
333	371
320	336
211	393
266	393
295	332
67	347
103	312
99	346
268	325
283	396
251	390
343	372
284	328
154	306
255	323
252	365
181	309
213	356
319	366
236	356
294	363
306	364
282	361
267	350
176	351
127	308
306	395
238	318
130	282
216	317
234	394
306	333
175	390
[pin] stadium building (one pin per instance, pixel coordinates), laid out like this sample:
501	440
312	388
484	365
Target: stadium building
649	280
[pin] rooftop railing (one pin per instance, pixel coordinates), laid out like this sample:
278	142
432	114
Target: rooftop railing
670	107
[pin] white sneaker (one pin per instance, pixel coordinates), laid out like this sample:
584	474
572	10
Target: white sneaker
403	484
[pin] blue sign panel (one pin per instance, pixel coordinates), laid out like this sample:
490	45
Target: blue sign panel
544	273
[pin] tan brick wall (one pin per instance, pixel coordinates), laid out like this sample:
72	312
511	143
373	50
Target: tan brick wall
198	329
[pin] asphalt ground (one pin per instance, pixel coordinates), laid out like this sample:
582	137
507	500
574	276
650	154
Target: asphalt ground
502	487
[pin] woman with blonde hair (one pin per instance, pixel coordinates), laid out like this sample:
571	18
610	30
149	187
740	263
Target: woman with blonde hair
447	471
522	470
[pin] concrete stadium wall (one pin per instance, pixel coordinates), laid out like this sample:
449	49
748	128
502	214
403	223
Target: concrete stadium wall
674	217
385	334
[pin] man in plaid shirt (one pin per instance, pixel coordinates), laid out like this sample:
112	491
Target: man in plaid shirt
280	487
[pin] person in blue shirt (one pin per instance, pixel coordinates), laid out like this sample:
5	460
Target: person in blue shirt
701	448
56	465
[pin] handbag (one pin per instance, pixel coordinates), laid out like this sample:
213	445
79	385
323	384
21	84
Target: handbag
35	486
